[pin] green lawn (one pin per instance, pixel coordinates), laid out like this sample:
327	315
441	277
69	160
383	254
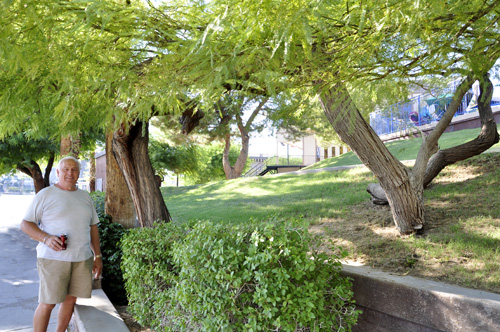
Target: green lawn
462	234
288	195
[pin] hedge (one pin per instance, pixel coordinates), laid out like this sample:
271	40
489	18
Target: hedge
260	276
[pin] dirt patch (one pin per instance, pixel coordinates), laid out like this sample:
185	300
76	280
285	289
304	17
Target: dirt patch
460	239
131	323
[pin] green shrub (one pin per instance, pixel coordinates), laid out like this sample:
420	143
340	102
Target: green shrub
110	235
149	270
253	277
99	199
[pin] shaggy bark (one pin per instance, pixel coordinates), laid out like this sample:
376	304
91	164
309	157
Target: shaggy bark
118	204
130	148
404	195
92	172
70	146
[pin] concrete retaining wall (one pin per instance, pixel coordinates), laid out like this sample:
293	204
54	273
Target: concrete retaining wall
408	304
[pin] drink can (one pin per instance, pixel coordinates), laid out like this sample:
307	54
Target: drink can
64	239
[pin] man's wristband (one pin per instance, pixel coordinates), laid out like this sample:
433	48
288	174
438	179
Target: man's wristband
45	238
97	256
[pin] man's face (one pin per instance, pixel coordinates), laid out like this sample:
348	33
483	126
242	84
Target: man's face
68	173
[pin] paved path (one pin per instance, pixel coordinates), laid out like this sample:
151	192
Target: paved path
18	275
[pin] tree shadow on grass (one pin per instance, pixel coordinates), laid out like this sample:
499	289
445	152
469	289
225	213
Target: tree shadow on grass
318	195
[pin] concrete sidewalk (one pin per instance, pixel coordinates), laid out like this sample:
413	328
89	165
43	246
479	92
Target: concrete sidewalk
18	275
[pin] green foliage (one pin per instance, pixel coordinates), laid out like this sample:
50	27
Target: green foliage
99	200
110	234
149	270
198	163
257	276
212	169
182	159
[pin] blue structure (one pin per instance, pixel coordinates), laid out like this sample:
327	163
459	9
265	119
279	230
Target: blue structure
424	109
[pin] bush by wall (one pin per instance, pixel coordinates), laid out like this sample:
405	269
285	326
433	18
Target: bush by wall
110	234
253	277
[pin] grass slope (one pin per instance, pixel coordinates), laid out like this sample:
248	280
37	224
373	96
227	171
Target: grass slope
407	149
461	242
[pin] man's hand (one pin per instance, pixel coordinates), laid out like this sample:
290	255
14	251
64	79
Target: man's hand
54	243
97	269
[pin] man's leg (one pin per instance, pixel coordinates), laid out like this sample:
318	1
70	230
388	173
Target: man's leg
42	317
65	312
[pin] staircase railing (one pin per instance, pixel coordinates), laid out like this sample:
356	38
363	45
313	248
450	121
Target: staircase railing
256	169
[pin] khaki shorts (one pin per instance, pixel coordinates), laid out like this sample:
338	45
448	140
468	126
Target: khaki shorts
60	278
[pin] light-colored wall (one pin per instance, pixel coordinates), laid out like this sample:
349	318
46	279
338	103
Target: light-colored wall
309	151
100	172
311	146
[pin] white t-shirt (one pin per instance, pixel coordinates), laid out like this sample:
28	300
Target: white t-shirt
58	211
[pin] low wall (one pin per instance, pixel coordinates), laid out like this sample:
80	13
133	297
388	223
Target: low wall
409	304
96	314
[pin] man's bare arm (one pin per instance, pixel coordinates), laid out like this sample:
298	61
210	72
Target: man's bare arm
34	232
96	248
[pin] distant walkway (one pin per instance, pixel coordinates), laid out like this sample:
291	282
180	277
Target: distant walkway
18	275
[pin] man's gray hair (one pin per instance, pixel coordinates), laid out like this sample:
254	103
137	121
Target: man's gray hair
69	158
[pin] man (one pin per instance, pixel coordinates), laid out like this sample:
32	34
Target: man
65	274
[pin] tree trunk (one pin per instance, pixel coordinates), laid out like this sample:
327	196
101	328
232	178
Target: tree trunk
239	166
130	148
118	202
234	172
70	146
486	138
35	173
405	197
48	170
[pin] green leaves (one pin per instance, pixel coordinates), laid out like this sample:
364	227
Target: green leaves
254	277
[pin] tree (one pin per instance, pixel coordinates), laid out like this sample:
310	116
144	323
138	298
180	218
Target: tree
129	149
235	115
76	64
486	138
338	47
199	162
18	152
114	63
181	160
404	187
